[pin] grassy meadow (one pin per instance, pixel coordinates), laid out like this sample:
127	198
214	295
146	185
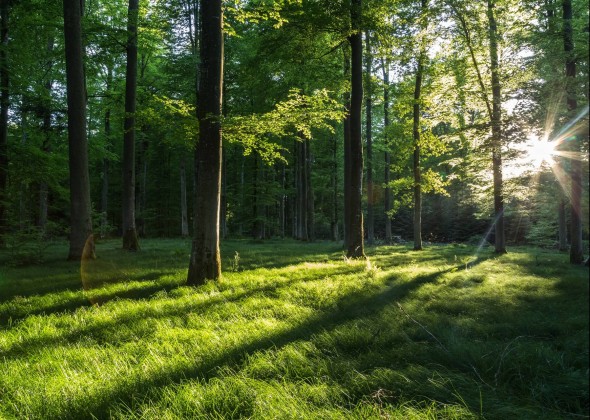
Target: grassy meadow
295	331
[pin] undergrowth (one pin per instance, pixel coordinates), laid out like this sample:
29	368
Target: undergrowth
295	331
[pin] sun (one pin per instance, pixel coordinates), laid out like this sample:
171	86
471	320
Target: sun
540	151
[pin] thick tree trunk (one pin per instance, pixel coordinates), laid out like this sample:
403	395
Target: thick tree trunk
205	261
576	248
355	244
81	239
4	105
369	138
496	120
387	157
130	239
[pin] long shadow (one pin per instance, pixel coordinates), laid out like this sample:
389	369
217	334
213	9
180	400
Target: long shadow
349	308
95	331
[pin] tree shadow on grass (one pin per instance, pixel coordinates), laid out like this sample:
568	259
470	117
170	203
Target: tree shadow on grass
99	331
348	308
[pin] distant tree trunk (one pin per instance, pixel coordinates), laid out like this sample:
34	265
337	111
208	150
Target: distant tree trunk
387	157
104	194
130	239
205	261
562	223
46	147
4	105
183	204
334	222
496	120
355	245
416	136
81	239
369	138
310	209
576	249
346	147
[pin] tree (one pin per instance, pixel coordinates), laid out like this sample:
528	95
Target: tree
81	238
354	152
205	260
369	138
576	250
496	120
130	240
416	130
4	105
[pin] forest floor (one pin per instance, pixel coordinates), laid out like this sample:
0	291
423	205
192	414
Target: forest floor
295	331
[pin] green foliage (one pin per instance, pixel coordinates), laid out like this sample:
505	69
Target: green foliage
296	117
450	332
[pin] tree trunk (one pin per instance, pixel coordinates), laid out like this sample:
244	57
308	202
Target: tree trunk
369	137
416	136
81	239
562	224
309	208
355	244
347	163
205	261
387	157
46	147
496	120
130	239
576	249
334	222
183	204
104	193
4	105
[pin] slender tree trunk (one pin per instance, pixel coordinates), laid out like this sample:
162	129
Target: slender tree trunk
4	105
183	204
46	147
104	194
309	208
387	157
562	224
369	138
496	120
81	239
576	249
205	261
355	245
334	222
347	153
130	239
416	135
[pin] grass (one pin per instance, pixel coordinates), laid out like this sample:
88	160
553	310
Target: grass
295	331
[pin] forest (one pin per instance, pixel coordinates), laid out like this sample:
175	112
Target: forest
294	208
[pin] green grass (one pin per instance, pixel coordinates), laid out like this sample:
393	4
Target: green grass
295	331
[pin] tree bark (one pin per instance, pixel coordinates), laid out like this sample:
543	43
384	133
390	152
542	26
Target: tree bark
130	239
496	120
576	248
355	244
4	105
416	135
46	147
347	154
183	203
81	239
104	193
387	157
369	138
205	261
